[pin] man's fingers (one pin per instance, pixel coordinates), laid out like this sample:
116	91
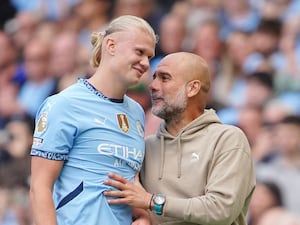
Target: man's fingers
113	193
118	182
117	201
117	177
115	184
114	201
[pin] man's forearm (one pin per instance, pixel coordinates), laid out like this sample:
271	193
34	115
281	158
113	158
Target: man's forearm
42	209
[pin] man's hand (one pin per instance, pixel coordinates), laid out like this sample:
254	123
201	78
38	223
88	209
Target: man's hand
129	193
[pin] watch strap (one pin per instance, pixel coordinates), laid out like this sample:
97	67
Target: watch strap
158	209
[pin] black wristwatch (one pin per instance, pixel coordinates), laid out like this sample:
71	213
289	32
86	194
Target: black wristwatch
159	200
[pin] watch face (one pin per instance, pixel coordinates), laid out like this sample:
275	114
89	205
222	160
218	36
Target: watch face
159	199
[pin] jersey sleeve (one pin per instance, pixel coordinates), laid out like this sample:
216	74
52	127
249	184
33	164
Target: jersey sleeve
55	129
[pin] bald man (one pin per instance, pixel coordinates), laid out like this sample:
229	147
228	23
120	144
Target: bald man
196	169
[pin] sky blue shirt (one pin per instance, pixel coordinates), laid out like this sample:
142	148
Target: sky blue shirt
95	136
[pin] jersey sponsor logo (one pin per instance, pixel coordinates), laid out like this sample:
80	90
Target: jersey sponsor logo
42	122
140	128
119	163
123	122
122	152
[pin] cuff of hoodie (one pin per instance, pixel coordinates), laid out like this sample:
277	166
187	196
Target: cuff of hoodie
175	207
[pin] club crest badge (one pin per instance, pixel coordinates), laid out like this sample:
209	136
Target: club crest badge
42	122
123	122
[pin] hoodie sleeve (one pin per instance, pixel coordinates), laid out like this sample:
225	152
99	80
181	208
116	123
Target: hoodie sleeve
230	183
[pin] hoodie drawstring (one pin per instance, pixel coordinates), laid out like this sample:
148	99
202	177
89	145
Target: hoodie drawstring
179	157
162	157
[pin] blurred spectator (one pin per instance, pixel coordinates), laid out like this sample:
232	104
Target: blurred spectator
146	9
20	130
64	54
281	106
45	9
14	207
11	78
250	120
195	17
287	59
277	9
17	145
259	89
238	15
265	41
7	12
84	69
4	139
93	15
206	42
21	28
284	168
262	145
279	216
266	196
180	8
266	38
46	31
229	83
40	83
252	93
10	69
7	215
172	33
69	59
204	4
275	110
15	171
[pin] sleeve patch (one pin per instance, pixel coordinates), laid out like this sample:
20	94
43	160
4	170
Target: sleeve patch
42	122
37	141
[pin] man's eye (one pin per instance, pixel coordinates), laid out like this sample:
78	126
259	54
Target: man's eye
139	52
164	78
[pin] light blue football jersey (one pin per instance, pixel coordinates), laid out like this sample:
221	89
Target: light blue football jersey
94	136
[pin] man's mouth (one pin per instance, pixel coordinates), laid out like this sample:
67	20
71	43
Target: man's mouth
140	71
156	98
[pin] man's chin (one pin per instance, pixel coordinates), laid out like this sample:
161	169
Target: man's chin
157	112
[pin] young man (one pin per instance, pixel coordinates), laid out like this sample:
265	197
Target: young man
91	128
196	169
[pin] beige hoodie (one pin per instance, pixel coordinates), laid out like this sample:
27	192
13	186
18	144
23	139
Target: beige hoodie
206	172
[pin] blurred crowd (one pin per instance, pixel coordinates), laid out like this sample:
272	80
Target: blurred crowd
253	51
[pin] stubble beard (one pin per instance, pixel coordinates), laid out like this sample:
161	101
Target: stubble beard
172	108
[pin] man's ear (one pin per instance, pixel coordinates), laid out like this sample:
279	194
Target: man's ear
110	45
193	88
